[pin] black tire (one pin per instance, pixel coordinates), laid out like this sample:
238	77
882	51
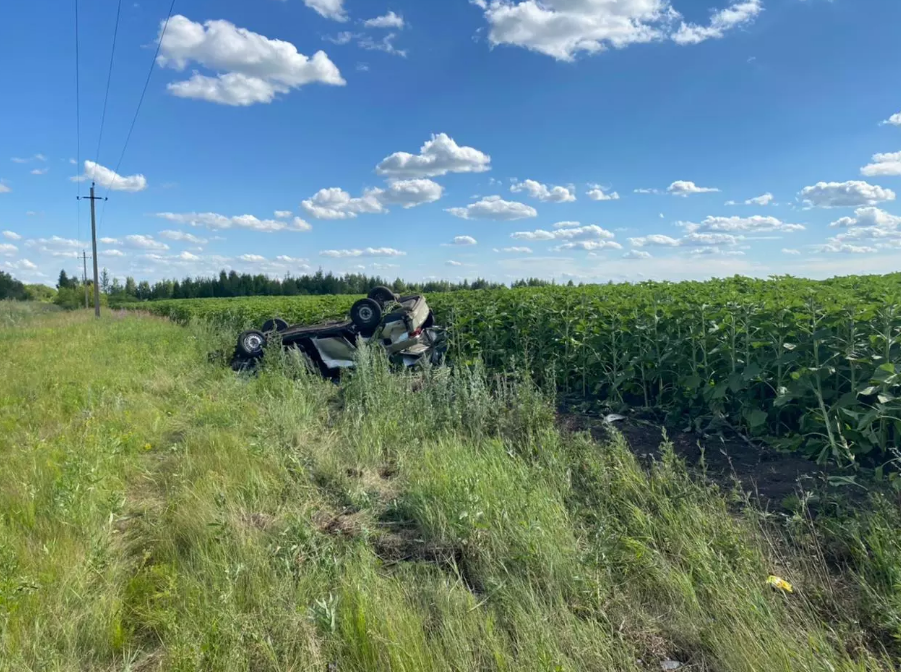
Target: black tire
251	343
275	324
382	295
366	314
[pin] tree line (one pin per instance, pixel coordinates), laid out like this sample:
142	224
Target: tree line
232	284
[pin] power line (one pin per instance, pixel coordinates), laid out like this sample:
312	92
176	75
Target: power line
77	126
140	103
109	78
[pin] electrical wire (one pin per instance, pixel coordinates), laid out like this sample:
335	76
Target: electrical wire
109	78
140	103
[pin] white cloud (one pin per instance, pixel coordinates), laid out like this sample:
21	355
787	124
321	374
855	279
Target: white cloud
330	9
869	225
290	260
299	224
869	217
187	256
183	237
8	249
894	120
591	232
109	179
144	242
563	29
389	20
250	67
344	37
36	157
737	14
765	199
335	203
786	250
846	248
756	223
22	266
438	156
685	188
708	239
367	252
110	241
451	262
386	44
57	246
544	193
517	249
112	253
463	240
844	194
715	251
655	239
495	208
642	190
254	258
588	245
232	88
4	189
883	164
637	254
693	239
215	222
40	171
410	193
11	235
597	193
567	225
282	214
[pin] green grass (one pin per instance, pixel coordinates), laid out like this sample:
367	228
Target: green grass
158	512
813	366
15	313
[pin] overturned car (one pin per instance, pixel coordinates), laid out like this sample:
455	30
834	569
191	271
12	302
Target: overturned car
403	325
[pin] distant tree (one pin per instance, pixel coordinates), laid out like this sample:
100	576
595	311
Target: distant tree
10	288
131	289
41	293
143	292
105	282
65	282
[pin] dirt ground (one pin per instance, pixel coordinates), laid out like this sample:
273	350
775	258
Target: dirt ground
772	478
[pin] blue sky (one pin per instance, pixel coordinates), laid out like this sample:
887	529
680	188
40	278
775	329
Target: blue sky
583	139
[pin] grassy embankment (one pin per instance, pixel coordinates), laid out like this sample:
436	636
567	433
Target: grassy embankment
159	512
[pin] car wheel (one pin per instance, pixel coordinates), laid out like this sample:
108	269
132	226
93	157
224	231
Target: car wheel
250	343
382	295
366	314
275	324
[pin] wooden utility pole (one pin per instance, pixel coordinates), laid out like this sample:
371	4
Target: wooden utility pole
84	277
93	198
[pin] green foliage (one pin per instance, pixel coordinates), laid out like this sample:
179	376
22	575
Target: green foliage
811	366
158	512
41	293
10	288
72	298
231	284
